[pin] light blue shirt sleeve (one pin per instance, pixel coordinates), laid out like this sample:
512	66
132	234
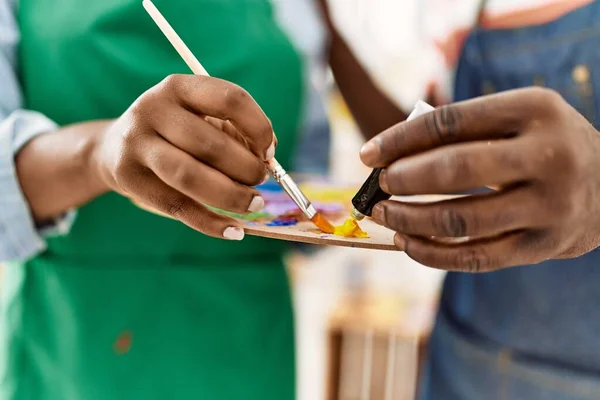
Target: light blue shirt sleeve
20	238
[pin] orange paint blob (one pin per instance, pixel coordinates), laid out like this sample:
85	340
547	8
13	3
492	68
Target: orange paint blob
323	224
350	229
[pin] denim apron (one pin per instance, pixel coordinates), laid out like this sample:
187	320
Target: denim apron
531	332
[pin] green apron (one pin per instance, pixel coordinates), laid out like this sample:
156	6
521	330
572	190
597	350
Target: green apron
130	305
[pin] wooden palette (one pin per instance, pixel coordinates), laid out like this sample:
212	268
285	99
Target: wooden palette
380	238
305	232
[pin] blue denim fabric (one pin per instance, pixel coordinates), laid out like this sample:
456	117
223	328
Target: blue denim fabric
300	19
312	156
531	332
467	367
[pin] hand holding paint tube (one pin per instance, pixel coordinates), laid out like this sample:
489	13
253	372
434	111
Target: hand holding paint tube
537	150
371	193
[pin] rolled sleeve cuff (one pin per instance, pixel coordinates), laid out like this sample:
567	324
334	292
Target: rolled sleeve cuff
20	238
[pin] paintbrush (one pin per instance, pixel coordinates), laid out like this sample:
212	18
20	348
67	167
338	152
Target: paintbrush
279	174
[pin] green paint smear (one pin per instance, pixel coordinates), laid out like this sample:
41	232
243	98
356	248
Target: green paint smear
244	217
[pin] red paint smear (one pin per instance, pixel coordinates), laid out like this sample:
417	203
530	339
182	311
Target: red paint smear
123	343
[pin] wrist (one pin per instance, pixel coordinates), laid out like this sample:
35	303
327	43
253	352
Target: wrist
57	172
91	150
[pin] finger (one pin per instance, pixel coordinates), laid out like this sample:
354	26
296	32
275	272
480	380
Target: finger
518	248
163	199
235	134
488	117
462	167
227	101
472	216
199	181
228	128
212	146
232	131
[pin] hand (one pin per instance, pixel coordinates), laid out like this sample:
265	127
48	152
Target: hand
189	141
542	154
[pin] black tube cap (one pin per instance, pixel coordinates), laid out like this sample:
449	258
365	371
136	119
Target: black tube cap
370	194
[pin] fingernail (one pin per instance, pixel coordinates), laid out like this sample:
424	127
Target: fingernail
257	204
233	233
270	152
378	213
383	183
369	152
400	242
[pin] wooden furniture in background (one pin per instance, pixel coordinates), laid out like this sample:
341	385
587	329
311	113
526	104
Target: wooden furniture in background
376	348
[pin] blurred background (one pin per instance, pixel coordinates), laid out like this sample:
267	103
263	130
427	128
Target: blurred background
363	316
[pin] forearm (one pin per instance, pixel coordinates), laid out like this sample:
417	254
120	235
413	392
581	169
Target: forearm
372	109
56	171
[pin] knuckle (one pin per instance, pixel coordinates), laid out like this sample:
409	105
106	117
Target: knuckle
474	260
558	159
131	139
453	167
444	124
176	207
121	171
140	107
551	96
121	168
211	149
565	157
450	223
182	177
158	162
562	207
235	97
172	83
537	243
514	160
546	99
499	217
145	109
178	174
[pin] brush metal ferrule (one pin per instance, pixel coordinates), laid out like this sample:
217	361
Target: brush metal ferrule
291	188
356	215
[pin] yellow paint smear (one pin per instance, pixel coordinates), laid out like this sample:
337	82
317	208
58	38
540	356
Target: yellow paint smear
350	229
